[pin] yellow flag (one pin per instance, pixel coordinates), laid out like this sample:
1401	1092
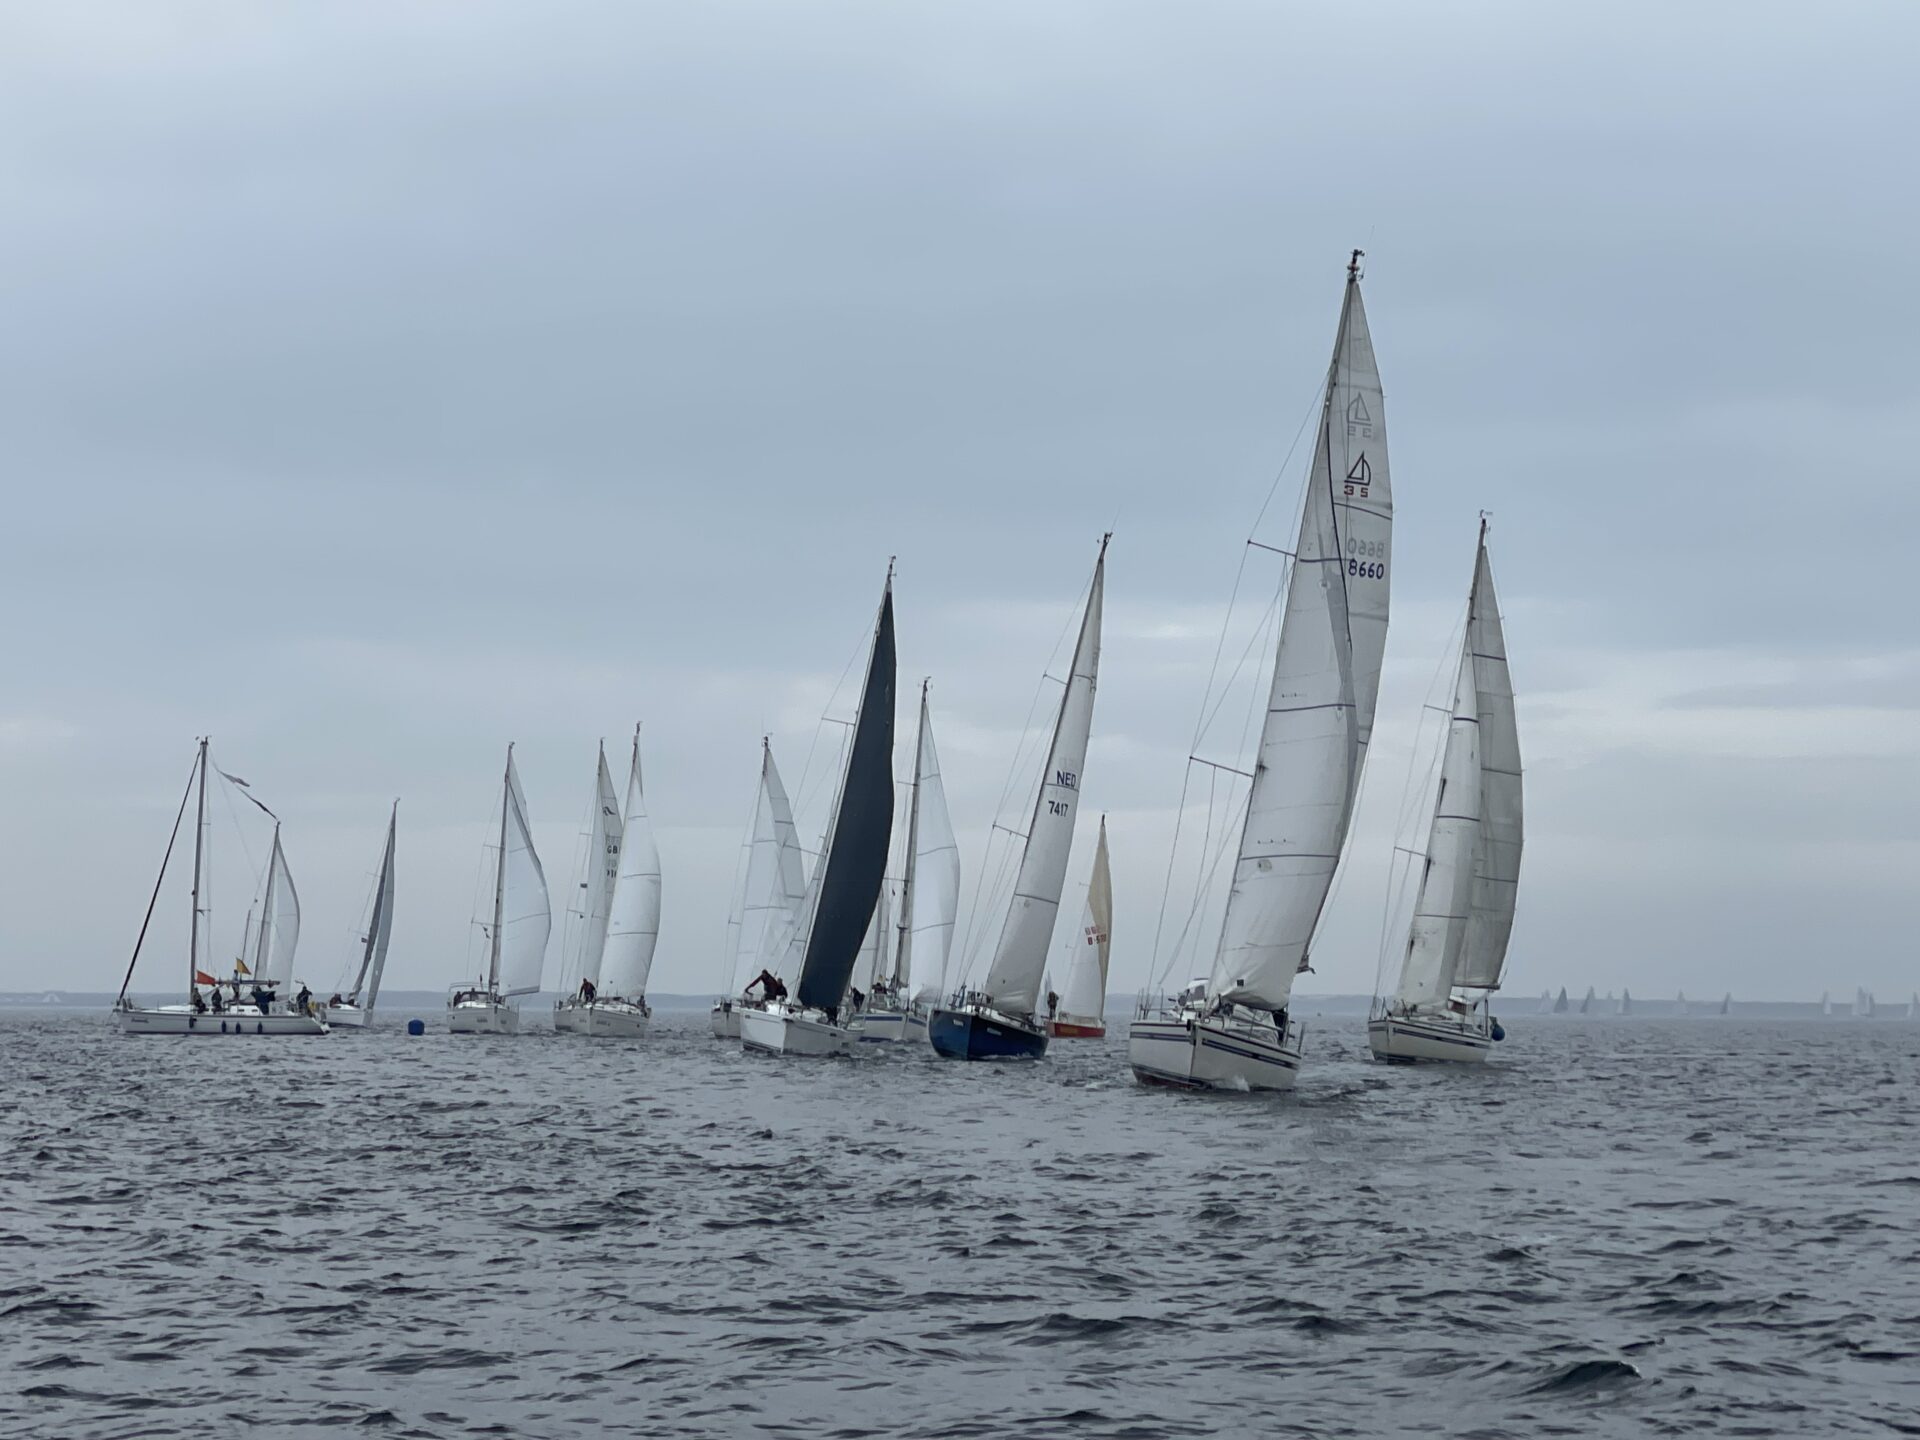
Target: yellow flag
240	966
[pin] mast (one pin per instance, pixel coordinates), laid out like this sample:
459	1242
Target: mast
500	876
199	850
903	946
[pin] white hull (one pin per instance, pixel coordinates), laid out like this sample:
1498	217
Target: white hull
185	1020
725	1020
780	1030
892	1027
1212	1053
610	1020
348	1017
1403	1037
482	1017
566	1017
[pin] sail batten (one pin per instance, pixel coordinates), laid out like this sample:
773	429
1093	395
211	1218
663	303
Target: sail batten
1020	959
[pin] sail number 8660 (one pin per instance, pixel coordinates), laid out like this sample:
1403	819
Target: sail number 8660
1366	559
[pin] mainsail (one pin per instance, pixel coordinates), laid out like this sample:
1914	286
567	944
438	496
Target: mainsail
522	916
1496	861
1446	883
933	900
854	862
373	955
1013	983
1326	682
633	923
1083	996
603	870
279	921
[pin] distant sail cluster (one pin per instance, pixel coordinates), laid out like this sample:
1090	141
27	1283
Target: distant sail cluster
850	944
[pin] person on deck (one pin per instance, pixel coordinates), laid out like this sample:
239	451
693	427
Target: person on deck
305	1000
218	1005
589	991
1053	1004
199	1004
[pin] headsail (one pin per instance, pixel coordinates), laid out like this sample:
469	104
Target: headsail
854	862
523	917
934	901
1496	863
633	923
373	955
1013	983
1083	994
774	891
1446	883
279	921
603	870
1326	682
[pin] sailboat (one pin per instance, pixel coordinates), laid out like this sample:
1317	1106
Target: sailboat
929	904
596	897
1826	1003
353	1010
264	1011
1560	1002
1546	1002
846	881
773	898
1083	994
1680	1005
1587	1003
1863	1004
1626	1002
517	938
615	1004
1726	1003
1463	916
1913	1006
1002	1020
1231	1029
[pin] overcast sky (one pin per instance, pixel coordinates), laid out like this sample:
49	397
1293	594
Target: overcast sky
380	384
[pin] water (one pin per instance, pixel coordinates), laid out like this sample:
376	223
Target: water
1625	1228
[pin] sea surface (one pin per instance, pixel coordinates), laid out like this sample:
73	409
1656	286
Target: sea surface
1621	1227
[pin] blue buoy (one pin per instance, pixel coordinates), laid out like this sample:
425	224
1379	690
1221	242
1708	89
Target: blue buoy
416	1027
1499	1031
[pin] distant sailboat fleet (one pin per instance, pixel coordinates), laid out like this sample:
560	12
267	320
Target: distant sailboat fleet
846	949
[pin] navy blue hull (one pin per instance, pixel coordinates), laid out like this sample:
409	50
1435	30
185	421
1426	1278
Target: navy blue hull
970	1035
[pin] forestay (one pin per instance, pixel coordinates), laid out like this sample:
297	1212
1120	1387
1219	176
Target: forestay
1446	883
1496	866
1326	683
525	914
633	925
1013	984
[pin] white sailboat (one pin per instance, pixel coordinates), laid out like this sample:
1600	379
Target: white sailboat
1680	1005
773	900
1002	1020
614	1004
1863	1004
1082	1013
1546	1002
846	881
1463	917
1913	1006
929	904
581	975
1826	1003
1232	1031
354	1010
517	936
264	1010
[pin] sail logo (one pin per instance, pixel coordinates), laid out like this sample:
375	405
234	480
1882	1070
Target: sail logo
1359	477
1359	420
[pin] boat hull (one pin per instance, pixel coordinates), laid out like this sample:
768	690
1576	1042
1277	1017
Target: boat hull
1211	1053
184	1020
980	1034
778	1030
347	1017
1076	1029
612	1020
482	1017
724	1020
1403	1039
893	1027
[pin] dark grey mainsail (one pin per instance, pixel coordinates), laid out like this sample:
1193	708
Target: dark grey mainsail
856	858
